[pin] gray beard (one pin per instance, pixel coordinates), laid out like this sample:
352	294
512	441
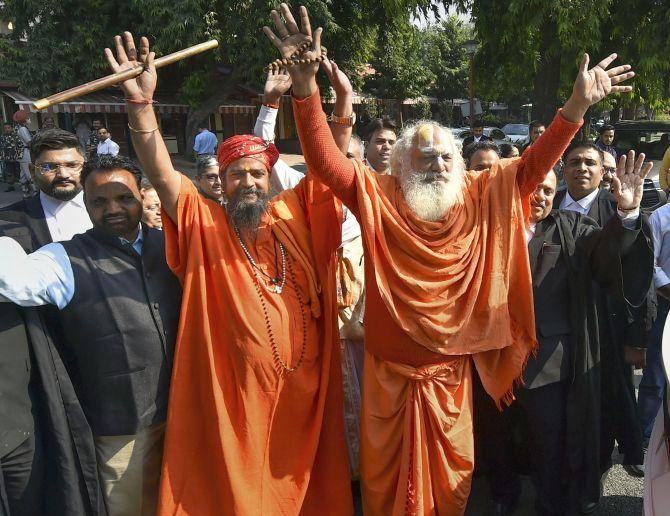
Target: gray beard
245	215
429	197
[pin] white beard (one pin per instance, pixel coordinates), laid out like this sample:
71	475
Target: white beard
431	199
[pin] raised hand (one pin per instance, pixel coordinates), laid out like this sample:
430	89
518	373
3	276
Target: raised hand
338	79
628	183
291	39
142	87
278	82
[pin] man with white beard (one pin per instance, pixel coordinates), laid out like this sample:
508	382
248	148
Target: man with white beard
448	281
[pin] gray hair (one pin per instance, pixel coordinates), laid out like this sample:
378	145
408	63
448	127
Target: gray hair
205	162
401	153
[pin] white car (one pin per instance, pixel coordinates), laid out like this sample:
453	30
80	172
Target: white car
518	133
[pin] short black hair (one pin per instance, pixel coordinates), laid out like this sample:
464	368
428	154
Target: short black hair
107	163
606	127
8	123
205	161
478	124
506	150
583	145
486	145
54	139
103	126
534	124
378	124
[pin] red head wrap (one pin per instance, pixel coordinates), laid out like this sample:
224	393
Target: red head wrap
246	146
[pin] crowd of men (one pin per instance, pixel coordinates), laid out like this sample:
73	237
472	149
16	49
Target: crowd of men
15	143
260	341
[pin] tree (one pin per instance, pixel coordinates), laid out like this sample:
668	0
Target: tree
530	48
57	44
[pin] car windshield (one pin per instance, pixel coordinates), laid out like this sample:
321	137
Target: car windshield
515	129
640	140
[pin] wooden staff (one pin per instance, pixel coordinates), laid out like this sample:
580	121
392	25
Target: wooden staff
116	78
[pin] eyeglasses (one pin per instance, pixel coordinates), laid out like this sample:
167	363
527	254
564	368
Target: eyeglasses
609	170
48	169
212	178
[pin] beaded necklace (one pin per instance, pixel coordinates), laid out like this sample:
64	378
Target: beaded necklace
280	365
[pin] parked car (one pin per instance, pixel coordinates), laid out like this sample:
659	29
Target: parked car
497	135
517	133
642	136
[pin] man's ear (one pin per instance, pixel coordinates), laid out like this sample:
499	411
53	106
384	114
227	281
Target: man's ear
33	170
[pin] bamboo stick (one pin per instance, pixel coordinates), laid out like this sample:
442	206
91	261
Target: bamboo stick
116	78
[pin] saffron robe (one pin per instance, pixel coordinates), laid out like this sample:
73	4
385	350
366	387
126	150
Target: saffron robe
437	293
244	437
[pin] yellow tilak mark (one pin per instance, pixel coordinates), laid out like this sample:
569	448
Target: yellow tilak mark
425	133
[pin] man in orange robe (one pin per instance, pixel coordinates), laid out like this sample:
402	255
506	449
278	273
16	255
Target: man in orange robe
255	421
448	283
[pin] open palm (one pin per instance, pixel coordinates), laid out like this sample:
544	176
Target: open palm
278	82
628	184
591	86
127	57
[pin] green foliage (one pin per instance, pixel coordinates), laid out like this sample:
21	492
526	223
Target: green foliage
513	52
444	54
399	68
420	111
411	62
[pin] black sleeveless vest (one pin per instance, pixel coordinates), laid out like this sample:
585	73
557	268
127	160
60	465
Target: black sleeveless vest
120	327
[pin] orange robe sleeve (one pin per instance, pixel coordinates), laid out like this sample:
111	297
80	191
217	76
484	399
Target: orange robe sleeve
540	157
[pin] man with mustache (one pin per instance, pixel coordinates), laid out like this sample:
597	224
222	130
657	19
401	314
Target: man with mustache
256	421
561	389
118	306
623	328
447	282
57	212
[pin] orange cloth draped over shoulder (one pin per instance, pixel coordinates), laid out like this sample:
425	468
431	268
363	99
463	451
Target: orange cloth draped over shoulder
244	437
449	286
437	293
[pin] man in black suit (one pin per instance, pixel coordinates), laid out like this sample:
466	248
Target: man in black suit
57	211
559	402
622	328
477	134
47	457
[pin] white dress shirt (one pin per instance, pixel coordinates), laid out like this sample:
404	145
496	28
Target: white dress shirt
65	218
108	147
660	231
582	206
44	277
285	176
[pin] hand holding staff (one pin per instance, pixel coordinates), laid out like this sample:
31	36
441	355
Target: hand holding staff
138	89
122	76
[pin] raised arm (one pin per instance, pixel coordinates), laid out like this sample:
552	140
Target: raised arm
343	108
590	87
142	121
324	158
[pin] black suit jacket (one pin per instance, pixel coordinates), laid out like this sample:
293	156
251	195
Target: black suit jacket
471	139
602	209
71	476
28	212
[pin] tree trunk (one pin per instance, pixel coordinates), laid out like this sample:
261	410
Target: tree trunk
205	108
548	74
